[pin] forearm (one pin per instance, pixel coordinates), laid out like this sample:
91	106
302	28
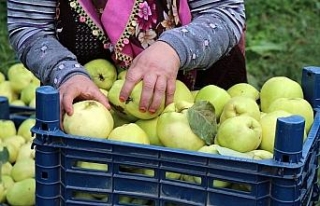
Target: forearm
32	36
216	28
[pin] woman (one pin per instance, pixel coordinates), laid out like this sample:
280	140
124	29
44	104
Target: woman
157	41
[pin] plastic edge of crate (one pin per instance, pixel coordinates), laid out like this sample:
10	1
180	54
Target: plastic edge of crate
60	139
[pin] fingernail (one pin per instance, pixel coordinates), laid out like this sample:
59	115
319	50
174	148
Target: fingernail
152	111
142	109
121	99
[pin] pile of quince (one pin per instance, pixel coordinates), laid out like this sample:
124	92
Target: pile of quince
17	185
242	118
19	86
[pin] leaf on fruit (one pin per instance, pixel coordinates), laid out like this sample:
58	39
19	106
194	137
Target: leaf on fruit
4	154
233	153
202	120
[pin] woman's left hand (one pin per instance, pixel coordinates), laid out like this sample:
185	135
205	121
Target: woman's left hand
157	66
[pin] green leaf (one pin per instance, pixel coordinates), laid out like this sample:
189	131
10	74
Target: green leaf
233	153
264	47
202	120
4	157
4	154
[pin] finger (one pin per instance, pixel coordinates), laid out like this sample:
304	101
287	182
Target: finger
147	91
66	107
170	90
100	97
67	102
132	78
159	94
61	111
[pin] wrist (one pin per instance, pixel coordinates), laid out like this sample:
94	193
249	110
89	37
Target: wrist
171	51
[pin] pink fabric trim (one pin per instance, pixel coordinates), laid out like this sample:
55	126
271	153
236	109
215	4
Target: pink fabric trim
184	12
91	12
115	18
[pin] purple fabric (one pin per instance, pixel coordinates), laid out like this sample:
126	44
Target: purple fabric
184	12
115	18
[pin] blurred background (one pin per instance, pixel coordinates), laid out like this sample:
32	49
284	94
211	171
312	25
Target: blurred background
282	38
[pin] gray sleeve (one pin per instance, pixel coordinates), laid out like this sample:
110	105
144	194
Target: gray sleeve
216	28
32	36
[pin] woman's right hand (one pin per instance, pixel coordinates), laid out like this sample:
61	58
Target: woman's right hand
79	87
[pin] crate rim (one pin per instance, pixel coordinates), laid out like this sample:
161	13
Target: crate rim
311	138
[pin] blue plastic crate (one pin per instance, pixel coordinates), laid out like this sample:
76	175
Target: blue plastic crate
16	113
290	179
22	110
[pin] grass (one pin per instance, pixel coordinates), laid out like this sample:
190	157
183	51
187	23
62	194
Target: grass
7	57
282	38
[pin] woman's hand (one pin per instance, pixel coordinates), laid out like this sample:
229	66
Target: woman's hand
157	66
79	87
